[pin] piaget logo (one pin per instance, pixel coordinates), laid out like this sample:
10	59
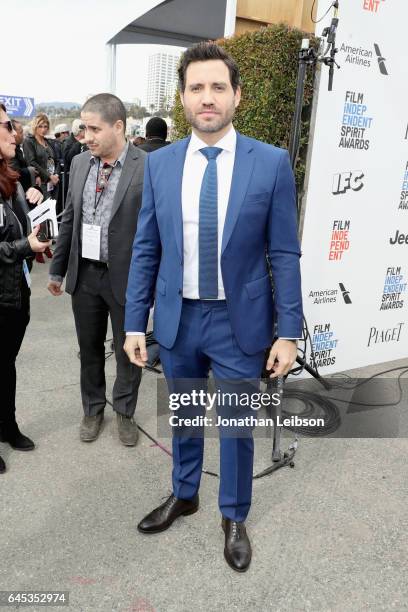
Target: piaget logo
384	336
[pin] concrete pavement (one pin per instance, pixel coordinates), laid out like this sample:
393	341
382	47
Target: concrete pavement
329	535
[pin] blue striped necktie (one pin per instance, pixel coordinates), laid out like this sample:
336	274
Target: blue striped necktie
208	228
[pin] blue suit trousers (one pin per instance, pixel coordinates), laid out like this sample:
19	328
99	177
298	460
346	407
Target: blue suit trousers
205	341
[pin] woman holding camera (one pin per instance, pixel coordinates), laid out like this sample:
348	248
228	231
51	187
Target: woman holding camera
16	252
40	155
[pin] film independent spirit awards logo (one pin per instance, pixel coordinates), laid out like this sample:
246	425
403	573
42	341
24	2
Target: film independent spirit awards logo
394	289
339	239
372	6
403	204
324	345
356	122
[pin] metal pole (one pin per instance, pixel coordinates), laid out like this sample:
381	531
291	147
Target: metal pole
111	56
230	17
300	89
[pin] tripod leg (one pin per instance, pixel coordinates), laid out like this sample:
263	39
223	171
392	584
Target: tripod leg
276	452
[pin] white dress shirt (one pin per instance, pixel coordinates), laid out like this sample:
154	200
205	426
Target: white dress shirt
193	172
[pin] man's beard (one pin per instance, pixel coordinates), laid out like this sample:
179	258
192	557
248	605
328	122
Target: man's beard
221	121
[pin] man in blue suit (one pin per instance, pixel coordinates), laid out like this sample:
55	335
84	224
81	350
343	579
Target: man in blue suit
212	205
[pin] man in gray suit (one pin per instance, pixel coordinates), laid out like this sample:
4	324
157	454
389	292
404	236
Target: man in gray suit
93	251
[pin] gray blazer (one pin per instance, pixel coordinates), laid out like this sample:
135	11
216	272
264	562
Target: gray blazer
122	226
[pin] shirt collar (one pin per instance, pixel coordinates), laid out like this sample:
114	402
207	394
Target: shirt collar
121	159
227	142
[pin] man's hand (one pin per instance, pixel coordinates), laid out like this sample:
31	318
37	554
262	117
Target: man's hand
34	196
54	287
281	358
135	349
54	178
36	245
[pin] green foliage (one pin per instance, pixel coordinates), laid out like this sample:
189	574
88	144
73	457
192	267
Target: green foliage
268	62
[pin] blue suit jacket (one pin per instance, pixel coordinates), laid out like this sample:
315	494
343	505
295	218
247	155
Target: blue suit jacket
261	215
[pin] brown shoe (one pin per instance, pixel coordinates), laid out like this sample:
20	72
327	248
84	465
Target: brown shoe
127	430
90	427
237	551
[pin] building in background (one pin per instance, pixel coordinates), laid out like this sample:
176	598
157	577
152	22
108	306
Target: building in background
161	81
254	14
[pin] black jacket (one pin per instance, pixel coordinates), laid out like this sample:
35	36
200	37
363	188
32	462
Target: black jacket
37	156
27	175
14	248
70	148
153	144
122	225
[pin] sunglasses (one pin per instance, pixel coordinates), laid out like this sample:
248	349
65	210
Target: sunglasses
8	125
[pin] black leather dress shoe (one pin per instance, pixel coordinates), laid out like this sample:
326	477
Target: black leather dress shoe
2	466
162	517
15	438
237	551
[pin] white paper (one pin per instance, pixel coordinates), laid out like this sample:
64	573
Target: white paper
91	241
42	212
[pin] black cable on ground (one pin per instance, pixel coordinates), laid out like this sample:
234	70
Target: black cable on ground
328	410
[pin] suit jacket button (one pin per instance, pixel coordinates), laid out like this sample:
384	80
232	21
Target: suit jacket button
180	292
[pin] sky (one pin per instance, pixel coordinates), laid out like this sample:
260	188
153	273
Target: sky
55	50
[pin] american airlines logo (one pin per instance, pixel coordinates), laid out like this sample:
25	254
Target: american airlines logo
381	60
343	181
345	294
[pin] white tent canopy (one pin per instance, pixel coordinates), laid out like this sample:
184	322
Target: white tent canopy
172	22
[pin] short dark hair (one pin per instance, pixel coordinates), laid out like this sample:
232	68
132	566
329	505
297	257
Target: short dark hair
108	106
156	127
202	52
15	122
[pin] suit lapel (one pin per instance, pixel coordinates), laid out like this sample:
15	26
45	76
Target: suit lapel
80	179
243	166
175	170
78	185
125	178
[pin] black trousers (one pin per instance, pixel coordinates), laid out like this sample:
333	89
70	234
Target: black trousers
13	324
92	303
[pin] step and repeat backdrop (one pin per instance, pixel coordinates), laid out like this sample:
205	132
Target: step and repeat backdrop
355	233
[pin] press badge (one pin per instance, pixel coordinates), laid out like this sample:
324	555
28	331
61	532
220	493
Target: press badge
27	274
91	241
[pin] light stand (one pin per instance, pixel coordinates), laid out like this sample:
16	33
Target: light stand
307	57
